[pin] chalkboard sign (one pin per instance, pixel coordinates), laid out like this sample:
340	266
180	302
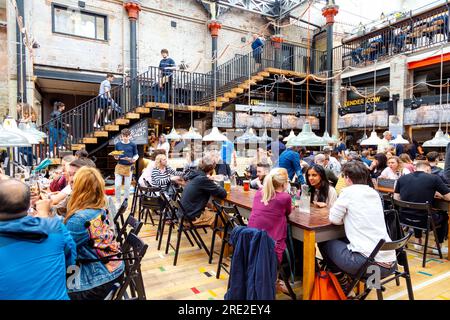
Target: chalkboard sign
139	133
223	119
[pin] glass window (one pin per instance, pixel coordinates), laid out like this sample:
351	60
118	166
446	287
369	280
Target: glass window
79	23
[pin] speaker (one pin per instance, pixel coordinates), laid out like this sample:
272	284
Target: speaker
158	114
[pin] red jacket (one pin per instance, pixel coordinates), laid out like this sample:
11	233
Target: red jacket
58	184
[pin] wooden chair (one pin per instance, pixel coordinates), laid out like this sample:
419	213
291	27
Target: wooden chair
428	226
402	259
133	250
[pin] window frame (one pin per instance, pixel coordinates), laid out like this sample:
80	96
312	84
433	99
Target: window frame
87	12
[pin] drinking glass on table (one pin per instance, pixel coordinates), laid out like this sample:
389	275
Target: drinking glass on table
246	185
227	185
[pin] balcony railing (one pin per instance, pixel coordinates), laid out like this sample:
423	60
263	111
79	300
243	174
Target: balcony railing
425	30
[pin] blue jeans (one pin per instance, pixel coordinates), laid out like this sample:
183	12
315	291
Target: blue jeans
58	136
339	258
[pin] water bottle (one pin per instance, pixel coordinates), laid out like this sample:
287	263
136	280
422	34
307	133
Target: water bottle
305	200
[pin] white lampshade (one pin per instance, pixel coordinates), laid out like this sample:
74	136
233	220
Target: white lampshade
248	137
326	137
372	141
173	135
290	136
306	138
439	140
9	124
192	135
399	140
214	135
364	137
30	129
265	137
9	138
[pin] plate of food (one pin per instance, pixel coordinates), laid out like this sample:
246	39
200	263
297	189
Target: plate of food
116	153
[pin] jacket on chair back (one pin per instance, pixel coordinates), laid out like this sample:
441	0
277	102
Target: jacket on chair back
254	265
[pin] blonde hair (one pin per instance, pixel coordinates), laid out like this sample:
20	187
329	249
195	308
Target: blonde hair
88	192
400	163
276	178
158	159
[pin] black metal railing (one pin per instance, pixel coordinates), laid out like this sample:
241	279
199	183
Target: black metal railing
408	35
173	87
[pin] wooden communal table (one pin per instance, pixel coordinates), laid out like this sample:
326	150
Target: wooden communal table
438	204
311	228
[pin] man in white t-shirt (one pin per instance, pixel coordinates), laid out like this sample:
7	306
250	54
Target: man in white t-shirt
384	144
360	210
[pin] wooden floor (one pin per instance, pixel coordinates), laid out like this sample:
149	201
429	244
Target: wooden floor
194	279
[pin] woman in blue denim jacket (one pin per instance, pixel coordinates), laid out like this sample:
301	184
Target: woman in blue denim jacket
88	223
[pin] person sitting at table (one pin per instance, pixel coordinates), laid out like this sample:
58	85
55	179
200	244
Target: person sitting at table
262	170
91	229
162	175
360	210
432	158
422	186
146	174
320	160
199	189
394	170
271	207
378	165
34	251
407	162
59	181
324	195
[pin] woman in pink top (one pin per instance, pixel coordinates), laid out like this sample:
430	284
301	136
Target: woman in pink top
271	206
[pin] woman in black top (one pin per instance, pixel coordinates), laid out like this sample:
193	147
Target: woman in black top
378	165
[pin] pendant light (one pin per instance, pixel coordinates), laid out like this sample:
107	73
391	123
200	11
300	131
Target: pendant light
290	136
173	135
364	137
265	137
9	124
31	130
373	140
440	139
326	137
215	134
191	134
248	137
399	140
9	138
306	138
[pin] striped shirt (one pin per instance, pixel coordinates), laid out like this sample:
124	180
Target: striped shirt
162	178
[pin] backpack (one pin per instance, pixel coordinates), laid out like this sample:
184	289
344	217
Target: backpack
327	287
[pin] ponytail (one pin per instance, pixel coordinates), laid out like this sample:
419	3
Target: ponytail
276	178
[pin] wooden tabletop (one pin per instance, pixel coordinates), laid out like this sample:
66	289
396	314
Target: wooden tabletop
316	219
241	198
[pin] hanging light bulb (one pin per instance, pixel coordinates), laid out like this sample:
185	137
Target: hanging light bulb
248	137
173	135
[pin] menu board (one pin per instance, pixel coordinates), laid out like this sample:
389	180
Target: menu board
427	115
292	122
261	120
361	120
139	133
223	119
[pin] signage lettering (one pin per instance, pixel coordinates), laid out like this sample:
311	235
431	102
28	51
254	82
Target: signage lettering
356	102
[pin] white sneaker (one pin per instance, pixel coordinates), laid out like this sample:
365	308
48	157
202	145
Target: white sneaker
96	126
418	247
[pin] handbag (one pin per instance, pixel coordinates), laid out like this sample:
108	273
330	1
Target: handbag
123	170
327	287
